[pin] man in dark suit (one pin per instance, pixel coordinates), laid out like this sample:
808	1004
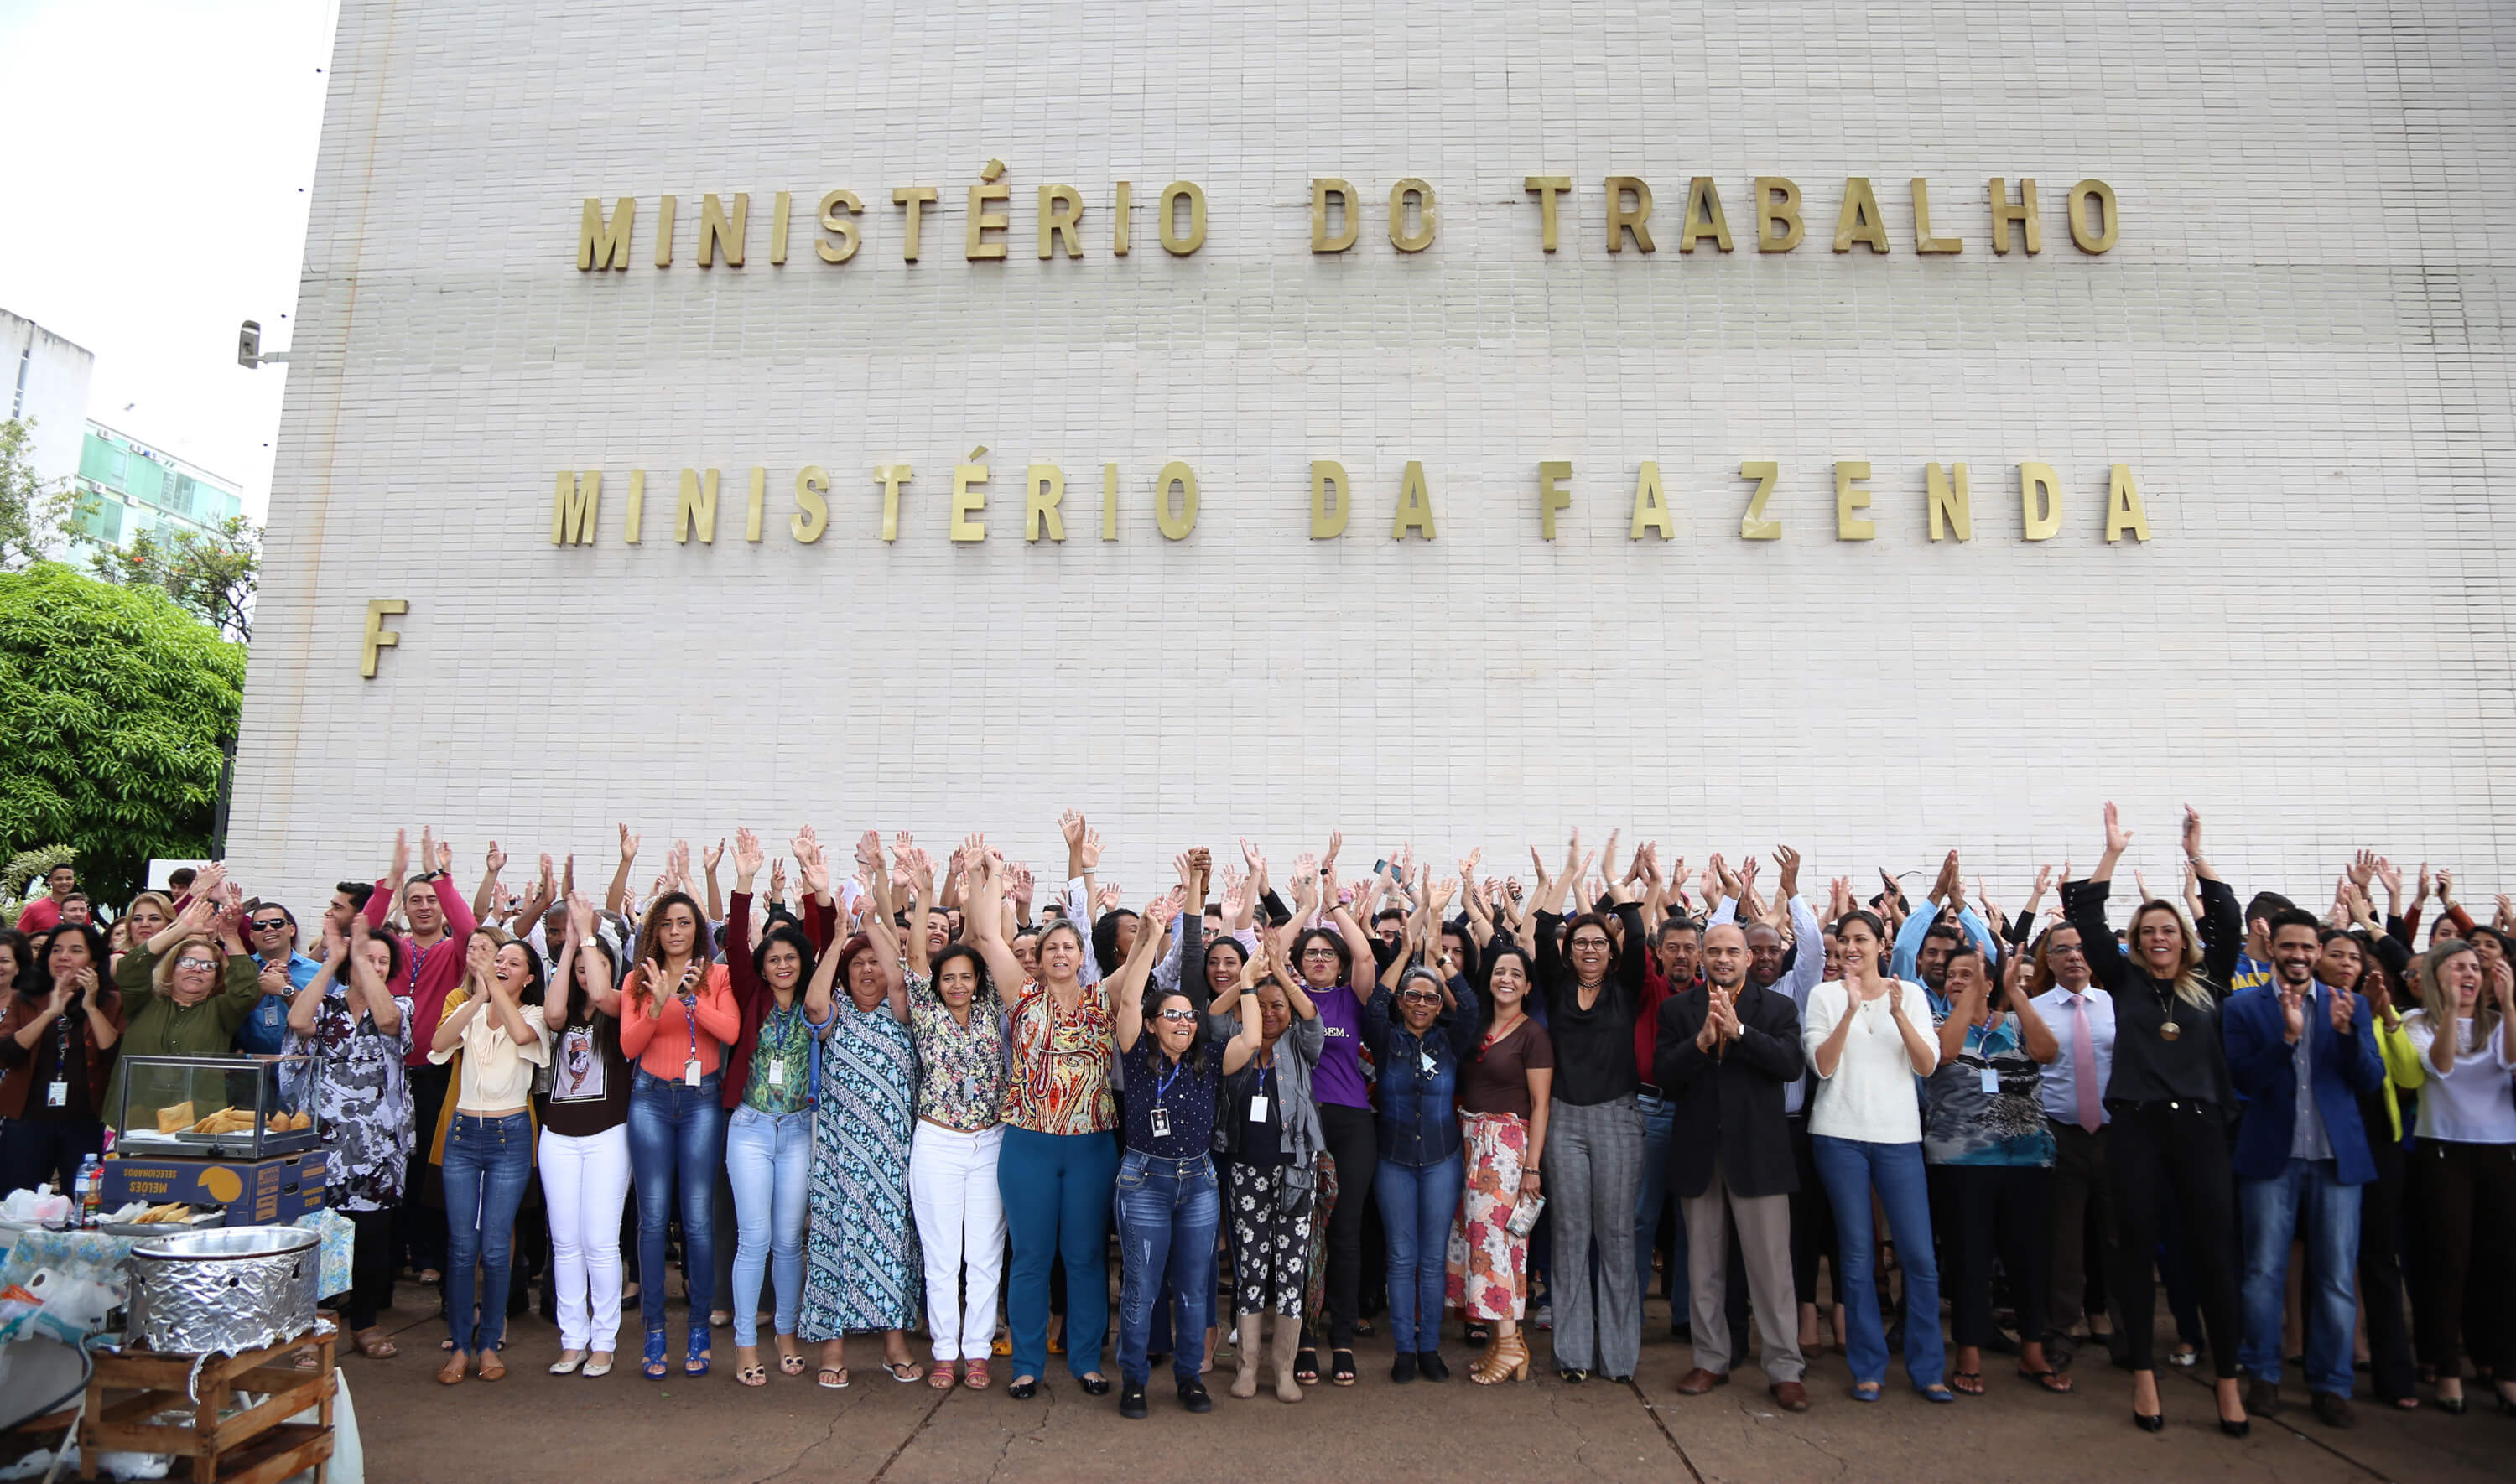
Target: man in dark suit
1727	1050
2300	1052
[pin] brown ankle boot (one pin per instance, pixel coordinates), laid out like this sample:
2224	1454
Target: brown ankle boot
1289	1341
1244	1383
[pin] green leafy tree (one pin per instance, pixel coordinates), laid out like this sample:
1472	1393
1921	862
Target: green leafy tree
120	709
29	511
213	576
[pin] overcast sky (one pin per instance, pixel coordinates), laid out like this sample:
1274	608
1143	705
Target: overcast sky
152	183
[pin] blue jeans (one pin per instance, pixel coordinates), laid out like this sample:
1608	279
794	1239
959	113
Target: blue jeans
2306	1200
1167	1213
1659	1118
488	1162
676	1130
1416	1208
769	1158
1851	1168
1057	1208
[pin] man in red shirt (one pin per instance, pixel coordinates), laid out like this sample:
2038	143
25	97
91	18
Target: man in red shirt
44	913
440	926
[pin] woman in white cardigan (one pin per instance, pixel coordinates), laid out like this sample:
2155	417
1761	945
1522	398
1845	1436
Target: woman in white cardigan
1867	1038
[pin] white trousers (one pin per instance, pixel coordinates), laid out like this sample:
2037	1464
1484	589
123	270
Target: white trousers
585	1183
961	1226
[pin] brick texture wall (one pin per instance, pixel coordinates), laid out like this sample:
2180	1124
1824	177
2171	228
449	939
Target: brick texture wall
2298	345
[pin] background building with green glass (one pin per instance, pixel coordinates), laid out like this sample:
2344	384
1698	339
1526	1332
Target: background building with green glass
125	488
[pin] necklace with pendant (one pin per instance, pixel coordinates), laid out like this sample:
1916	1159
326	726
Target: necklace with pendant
2168	1030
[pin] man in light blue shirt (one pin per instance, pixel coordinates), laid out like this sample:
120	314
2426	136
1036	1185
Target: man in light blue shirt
273	931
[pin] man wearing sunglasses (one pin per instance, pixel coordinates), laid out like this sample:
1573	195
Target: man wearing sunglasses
271	930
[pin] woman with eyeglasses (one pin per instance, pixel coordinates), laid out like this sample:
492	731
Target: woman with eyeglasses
359	1033
1334	960
1418	1037
495	1022
183	993
2170	1097
1271	1141
1168	1202
584	1149
1593	990
861	1262
58	1030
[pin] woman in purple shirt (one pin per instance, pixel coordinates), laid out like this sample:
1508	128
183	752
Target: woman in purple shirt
1328	963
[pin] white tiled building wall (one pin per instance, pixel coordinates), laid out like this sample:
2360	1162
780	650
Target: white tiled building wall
2298	345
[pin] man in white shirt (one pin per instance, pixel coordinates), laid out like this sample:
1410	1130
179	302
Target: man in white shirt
2073	1089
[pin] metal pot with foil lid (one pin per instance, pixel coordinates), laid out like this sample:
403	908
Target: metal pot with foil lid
220	1291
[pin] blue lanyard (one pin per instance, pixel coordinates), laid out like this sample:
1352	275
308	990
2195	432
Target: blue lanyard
1163	1086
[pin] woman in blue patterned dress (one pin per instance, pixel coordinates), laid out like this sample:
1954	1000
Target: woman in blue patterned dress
860	1261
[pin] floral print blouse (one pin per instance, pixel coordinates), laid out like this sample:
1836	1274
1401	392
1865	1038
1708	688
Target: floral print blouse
1061	1072
961	1068
361	1101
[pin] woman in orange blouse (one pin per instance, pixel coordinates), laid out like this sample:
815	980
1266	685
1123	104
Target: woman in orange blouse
1058	1164
678	1015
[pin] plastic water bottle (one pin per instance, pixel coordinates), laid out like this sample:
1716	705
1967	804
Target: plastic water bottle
91	1191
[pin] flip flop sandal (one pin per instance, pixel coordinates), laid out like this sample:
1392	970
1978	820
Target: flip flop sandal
894	1367
832	1378
2051	1380
1967	1383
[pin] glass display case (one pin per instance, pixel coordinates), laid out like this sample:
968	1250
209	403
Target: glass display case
216	1108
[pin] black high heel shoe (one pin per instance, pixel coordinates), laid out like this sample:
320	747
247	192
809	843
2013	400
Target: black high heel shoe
2238	1429
2155	1423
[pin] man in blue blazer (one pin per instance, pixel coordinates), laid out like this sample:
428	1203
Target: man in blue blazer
2300	1052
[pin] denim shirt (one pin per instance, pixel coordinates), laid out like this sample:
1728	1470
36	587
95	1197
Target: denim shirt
265	1029
1419	1078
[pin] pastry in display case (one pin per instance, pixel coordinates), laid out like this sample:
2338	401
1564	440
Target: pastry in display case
216	1108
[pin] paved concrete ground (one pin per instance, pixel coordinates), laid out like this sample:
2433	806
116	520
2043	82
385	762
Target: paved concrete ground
624	1429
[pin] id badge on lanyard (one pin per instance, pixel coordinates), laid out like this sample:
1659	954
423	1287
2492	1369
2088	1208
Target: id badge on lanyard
57	1094
1258	1099
690	1028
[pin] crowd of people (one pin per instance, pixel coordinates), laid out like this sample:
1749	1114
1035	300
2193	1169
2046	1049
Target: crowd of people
921	1095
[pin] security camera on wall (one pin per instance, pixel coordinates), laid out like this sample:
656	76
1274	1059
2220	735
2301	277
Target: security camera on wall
249	344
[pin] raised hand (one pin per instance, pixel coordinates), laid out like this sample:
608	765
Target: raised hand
777	881
1327	861
715	855
497	860
869	854
2342	1010
1107	898
2118	838
2444	887
1088	855
444	855
402	855
2362	868
746	856
628	843
428	848
1787	885
2140	883
2192	833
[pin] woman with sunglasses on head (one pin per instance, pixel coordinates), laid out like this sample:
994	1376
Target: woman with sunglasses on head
59	1024
2169	1099
359	1032
960	1033
1593	990
680	1014
1419	1034
1335	962
1866	1036
584	1149
495	1022
861	1262
769	1090
1168	1202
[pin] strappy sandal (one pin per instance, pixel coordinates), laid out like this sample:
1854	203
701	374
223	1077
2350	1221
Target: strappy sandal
1478	1333
1958	1380
695	1362
975	1376
790	1362
832	1378
1306	1366
653	1365
941	1377
752	1375
1341	1367
2051	1380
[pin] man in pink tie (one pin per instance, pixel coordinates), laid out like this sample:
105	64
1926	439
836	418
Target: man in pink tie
2073	1090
